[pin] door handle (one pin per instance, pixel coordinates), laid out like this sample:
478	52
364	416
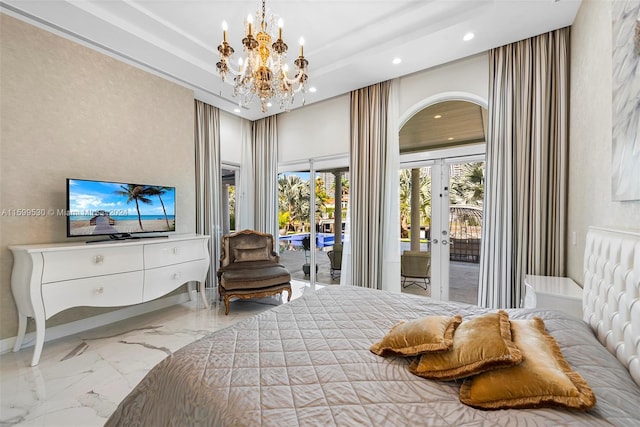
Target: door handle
445	242
434	241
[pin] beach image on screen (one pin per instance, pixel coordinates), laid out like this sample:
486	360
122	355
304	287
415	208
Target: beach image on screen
98	208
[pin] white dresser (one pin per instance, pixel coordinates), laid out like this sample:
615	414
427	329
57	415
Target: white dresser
556	293
49	278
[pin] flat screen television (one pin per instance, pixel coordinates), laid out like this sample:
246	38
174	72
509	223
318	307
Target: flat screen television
118	209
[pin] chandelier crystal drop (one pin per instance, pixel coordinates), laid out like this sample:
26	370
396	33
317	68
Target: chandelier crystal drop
263	71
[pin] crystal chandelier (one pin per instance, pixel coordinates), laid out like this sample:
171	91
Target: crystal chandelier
263	72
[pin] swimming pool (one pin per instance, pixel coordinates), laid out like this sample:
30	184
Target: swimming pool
323	239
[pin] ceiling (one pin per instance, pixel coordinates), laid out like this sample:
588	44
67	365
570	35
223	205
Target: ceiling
445	124
349	43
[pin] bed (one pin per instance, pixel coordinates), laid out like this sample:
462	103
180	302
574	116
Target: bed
309	362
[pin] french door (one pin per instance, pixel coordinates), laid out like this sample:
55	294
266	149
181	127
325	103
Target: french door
312	219
449	224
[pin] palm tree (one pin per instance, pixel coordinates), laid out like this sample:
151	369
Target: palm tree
345	185
152	190
467	187
321	197
137	193
405	199
344	180
405	202
293	197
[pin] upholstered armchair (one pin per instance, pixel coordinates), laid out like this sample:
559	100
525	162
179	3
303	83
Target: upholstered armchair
250	268
416	265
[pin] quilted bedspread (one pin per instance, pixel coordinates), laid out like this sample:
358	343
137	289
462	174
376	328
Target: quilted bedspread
307	363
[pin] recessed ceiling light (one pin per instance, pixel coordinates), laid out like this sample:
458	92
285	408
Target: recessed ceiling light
468	37
269	104
437	116
312	89
396	61
236	110
450	138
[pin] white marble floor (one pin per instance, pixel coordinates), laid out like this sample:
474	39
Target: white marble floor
81	379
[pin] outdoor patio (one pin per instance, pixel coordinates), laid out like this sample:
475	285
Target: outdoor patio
463	275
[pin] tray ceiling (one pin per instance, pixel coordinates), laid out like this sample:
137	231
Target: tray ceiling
349	44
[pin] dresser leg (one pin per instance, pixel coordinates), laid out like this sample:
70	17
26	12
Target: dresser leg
190	291
37	349
203	294
22	328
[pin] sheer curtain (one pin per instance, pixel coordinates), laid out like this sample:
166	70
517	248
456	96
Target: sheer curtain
208	181
374	187
391	195
265	163
245	190
525	215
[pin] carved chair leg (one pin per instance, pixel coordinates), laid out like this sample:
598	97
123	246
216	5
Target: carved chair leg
226	305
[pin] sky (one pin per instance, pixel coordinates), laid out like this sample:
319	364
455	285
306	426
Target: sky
88	196
303	175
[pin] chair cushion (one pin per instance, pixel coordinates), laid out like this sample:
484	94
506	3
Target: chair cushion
250	254
254	278
250	265
415	264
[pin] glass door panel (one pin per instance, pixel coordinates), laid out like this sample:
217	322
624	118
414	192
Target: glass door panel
332	196
415	229
466	193
228	200
294	223
310	246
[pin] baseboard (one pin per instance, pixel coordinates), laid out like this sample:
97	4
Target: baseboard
64	330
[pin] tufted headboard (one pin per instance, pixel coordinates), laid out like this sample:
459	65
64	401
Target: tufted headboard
611	294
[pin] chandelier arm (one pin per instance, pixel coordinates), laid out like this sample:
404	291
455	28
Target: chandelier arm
296	79
233	71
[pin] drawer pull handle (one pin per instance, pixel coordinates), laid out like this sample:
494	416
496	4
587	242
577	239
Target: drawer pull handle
176	251
98	259
99	291
176	276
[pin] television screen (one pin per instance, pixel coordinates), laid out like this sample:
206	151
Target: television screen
115	208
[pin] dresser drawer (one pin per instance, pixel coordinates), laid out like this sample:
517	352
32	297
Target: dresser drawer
90	262
162	280
104	291
167	253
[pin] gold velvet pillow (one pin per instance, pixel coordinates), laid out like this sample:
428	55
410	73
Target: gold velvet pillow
480	344
254	254
430	333
544	378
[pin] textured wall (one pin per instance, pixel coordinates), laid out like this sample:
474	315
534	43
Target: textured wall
590	151
69	111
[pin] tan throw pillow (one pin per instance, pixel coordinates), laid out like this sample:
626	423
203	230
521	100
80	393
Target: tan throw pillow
479	344
246	255
430	333
544	378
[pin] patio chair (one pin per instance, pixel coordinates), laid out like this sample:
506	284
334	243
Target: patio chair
335	259
416	265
